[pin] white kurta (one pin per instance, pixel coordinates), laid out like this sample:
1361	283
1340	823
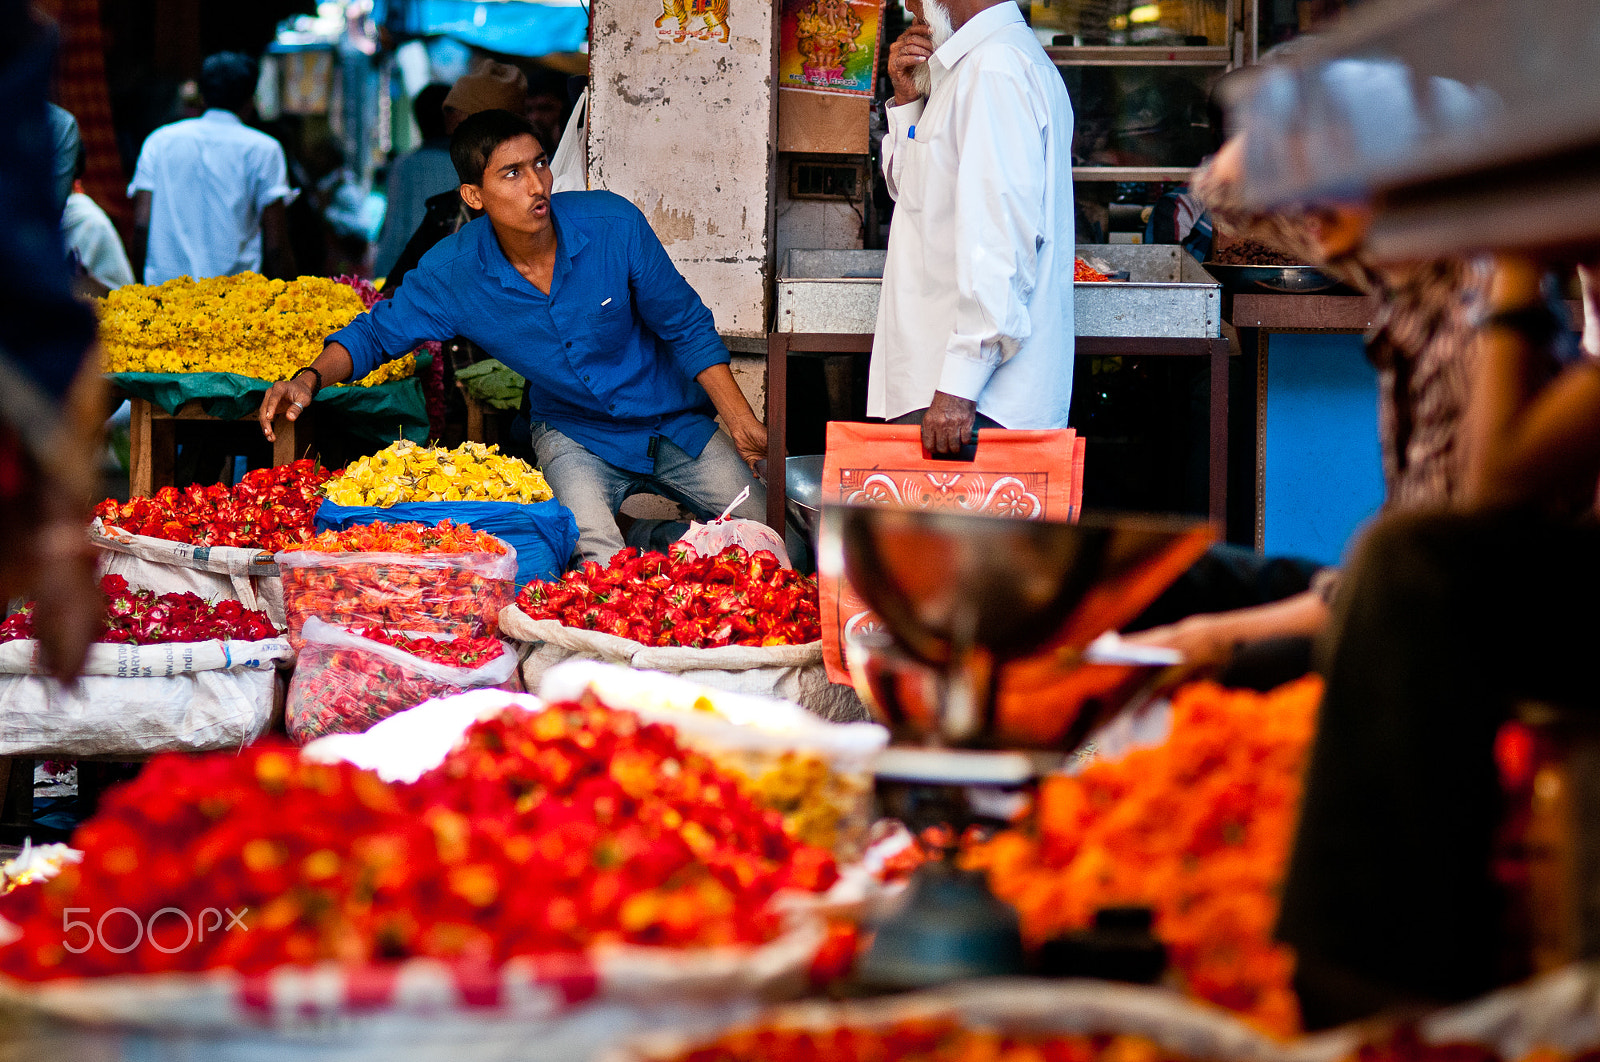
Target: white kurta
209	179
977	289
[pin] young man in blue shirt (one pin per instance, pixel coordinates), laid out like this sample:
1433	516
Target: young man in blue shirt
624	366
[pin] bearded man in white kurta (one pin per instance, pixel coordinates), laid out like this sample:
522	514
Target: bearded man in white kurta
975	322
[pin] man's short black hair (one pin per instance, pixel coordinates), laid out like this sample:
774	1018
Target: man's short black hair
428	108
476	139
228	80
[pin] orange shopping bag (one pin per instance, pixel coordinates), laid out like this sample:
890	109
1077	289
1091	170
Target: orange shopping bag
1031	475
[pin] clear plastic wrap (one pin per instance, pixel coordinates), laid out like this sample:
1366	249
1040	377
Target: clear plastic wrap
459	594
344	683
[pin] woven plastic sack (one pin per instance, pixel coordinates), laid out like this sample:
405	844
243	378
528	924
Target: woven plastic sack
426	593
215	573
786	672
710	540
344	683
543	533
136	700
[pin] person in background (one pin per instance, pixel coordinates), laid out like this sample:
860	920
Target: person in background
975	324
416	177
51	390
495	86
209	192
625	369
93	244
546	108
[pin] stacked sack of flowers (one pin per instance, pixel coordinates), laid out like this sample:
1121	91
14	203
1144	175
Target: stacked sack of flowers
215	540
737	621
569	869
472	484
168	671
388	615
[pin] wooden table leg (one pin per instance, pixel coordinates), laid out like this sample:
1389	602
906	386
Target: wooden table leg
777	428
140	483
1218	450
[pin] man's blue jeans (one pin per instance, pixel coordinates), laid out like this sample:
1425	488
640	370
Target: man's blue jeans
594	490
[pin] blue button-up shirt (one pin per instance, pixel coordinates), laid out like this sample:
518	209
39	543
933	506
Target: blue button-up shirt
610	355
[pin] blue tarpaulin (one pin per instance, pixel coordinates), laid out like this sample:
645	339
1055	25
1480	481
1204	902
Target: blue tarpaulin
511	27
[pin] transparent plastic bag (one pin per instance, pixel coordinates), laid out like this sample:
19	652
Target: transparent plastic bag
344	683
709	540
816	774
459	594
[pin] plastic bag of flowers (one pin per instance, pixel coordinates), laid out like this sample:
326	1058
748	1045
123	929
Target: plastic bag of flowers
170	672
444	579
345	681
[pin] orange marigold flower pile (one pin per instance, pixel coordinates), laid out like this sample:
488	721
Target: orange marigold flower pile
1197	828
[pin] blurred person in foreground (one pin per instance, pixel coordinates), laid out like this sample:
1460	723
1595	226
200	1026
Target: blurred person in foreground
975	324
1253	617
626	373
416	177
1443	624
210	193
51	391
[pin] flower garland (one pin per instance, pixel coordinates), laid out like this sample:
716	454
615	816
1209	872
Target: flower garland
1197	828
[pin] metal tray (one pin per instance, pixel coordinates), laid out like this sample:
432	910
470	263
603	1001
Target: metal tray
1167	295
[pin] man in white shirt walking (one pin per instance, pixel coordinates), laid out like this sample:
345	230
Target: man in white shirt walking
210	193
975	323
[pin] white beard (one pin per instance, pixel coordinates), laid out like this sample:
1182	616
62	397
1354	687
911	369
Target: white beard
939	23
942	29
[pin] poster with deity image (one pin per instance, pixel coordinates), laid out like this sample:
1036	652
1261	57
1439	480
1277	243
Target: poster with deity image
830	45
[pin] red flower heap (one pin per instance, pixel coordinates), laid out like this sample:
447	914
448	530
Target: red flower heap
269	509
432	595
684	599
541	833
340	689
142	617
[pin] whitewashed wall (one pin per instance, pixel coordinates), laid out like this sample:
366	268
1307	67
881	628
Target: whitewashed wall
685	130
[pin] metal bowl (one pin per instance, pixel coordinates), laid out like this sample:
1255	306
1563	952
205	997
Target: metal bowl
802	477
1276	280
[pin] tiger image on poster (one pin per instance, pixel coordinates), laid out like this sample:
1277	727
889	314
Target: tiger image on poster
712	13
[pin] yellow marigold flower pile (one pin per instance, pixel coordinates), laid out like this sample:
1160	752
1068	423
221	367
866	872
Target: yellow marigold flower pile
1197	828
406	472
244	324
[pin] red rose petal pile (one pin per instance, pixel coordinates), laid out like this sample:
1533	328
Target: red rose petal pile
684	599
268	509
143	617
341	689
541	833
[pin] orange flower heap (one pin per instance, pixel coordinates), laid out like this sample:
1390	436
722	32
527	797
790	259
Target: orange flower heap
1197	828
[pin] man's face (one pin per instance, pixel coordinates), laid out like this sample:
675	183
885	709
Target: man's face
515	192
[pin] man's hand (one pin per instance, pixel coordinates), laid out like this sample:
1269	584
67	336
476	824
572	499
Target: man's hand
913	48
1206	641
751	440
947	426
295	394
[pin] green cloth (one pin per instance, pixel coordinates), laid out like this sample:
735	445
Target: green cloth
372	414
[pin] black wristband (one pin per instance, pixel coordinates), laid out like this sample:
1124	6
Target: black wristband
312	370
1537	324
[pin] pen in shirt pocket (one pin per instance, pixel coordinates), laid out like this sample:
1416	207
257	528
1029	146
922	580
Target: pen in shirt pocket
603	305
913	133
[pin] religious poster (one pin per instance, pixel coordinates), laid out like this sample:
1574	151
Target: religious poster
830	45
